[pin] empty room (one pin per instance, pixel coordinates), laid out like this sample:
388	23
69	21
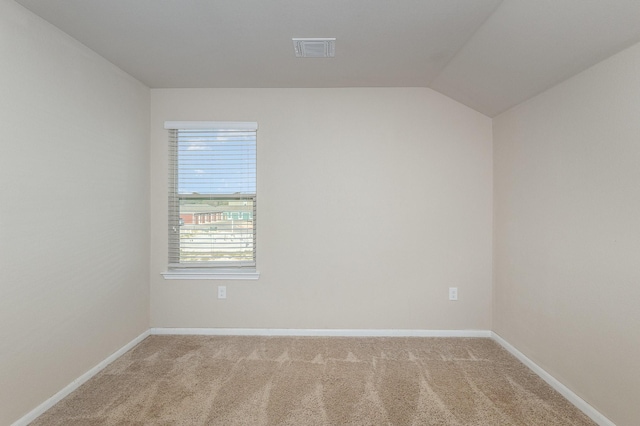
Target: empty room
333	212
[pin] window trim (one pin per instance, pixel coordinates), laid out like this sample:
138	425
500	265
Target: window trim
210	274
185	272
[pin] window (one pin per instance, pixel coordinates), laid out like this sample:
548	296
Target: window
212	196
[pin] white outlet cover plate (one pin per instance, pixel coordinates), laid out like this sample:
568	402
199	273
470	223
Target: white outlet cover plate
453	293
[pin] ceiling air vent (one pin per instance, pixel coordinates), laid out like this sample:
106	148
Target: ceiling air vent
314	47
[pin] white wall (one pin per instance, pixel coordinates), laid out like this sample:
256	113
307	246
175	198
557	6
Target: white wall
74	185
371	203
567	233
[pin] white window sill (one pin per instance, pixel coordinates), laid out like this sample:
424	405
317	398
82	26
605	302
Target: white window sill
210	274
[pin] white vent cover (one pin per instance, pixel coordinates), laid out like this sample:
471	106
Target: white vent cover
314	47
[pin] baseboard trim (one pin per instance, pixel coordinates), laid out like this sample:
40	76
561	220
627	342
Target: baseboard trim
40	409
319	332
580	403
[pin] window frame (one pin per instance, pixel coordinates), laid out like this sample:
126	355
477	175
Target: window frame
224	270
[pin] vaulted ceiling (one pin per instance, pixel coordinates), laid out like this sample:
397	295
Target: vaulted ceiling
487	54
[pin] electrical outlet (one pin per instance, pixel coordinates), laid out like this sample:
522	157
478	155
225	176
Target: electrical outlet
453	293
222	292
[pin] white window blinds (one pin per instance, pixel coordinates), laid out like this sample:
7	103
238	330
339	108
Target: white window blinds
212	194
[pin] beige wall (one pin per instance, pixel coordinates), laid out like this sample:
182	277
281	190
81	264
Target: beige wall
74	238
567	233
372	202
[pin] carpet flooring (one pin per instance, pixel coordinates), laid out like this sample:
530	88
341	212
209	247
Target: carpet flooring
222	380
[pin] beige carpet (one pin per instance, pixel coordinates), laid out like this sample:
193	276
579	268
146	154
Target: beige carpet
200	380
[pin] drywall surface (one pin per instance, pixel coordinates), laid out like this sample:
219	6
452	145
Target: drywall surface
74	138
567	233
371	203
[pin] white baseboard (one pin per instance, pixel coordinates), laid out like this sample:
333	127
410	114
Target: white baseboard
40	409
580	403
320	332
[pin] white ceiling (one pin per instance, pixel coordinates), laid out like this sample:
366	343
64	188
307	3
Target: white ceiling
487	54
